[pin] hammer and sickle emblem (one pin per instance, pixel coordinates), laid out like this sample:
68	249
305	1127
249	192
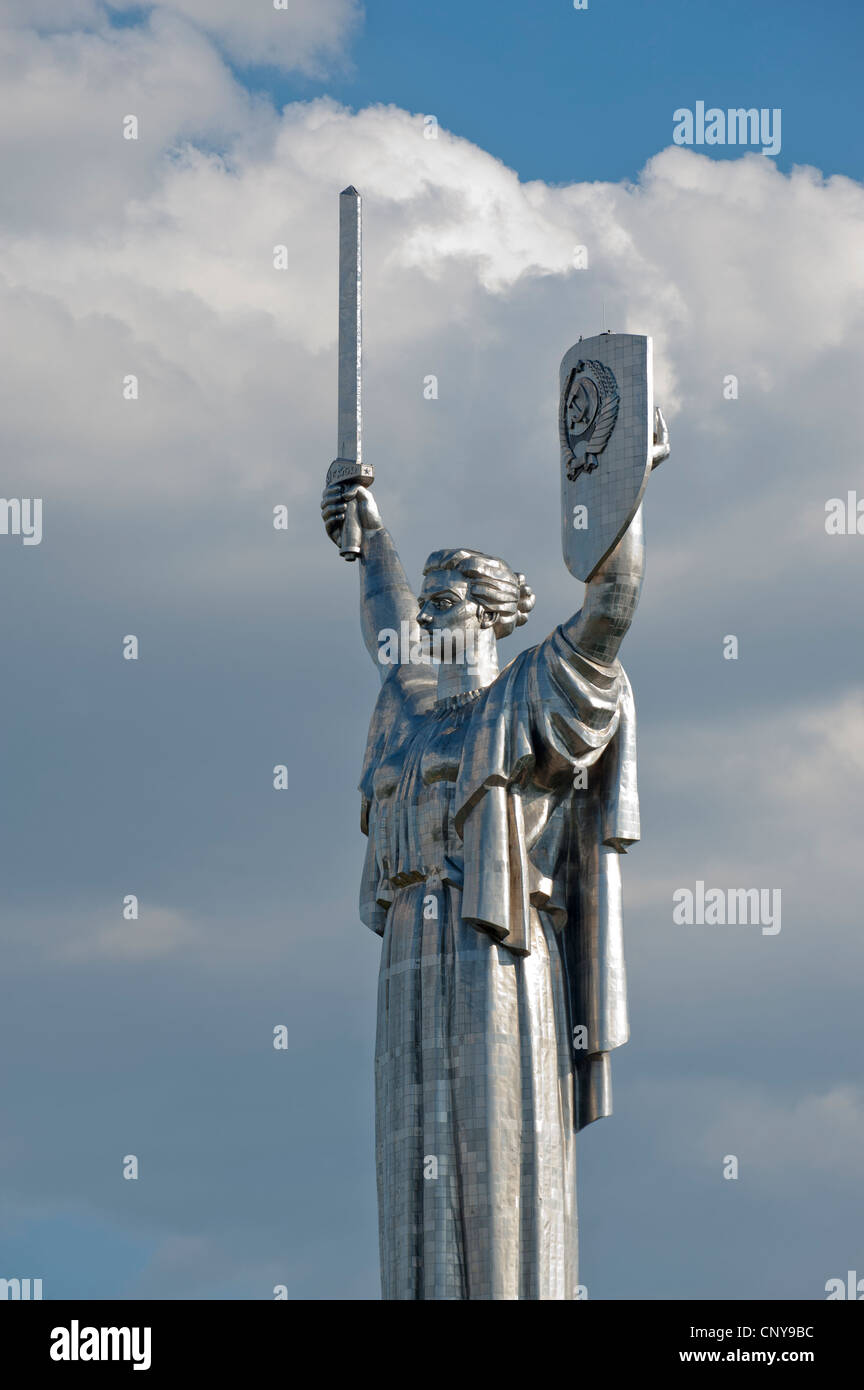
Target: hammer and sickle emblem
589	409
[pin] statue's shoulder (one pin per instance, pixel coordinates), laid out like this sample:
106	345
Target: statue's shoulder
409	684
407	692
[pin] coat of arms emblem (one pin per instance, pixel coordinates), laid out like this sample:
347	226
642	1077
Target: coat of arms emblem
589	409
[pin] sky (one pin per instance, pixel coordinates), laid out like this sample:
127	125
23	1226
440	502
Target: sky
562	95
155	257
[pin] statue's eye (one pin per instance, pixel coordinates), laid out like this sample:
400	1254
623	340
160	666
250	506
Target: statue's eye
443	603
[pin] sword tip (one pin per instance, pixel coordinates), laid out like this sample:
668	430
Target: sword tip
350	190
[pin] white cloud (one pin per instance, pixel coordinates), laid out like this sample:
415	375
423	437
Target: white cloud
288	34
785	773
297	34
158	932
180	281
47	15
63	101
783	1142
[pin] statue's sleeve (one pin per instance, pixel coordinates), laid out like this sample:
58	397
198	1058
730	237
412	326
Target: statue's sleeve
554	718
374	906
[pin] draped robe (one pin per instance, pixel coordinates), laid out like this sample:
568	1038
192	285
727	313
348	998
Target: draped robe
495	823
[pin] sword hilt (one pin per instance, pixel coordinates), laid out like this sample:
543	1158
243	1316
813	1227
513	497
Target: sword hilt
348	472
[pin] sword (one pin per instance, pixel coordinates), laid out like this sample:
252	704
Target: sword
348	467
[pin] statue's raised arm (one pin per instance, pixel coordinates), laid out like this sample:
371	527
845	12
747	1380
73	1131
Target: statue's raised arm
386	597
613	590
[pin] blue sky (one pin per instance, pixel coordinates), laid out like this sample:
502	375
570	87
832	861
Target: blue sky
565	95
156	777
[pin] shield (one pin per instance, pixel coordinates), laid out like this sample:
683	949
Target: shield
606	426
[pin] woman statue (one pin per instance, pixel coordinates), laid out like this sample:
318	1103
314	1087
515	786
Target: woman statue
497	805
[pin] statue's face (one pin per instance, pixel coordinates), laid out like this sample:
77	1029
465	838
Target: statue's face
445	605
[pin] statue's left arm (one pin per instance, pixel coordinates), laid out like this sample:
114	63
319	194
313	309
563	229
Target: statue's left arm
612	593
611	596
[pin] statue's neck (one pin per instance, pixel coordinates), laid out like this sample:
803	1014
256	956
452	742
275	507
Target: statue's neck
479	668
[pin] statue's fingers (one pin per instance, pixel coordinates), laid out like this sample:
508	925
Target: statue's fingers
338	492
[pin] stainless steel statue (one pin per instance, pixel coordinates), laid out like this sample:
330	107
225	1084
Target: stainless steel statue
497	804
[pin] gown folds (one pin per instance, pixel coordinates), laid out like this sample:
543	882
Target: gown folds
495	822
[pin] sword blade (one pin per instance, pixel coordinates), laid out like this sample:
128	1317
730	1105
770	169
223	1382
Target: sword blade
350	335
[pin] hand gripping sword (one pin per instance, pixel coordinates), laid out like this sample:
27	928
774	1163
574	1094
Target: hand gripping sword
348	467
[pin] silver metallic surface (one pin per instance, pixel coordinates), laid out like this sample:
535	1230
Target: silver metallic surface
497	806
348	466
350	410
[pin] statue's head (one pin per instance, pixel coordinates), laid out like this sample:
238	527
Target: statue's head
467	591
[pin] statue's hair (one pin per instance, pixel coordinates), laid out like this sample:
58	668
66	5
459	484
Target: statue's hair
492	585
